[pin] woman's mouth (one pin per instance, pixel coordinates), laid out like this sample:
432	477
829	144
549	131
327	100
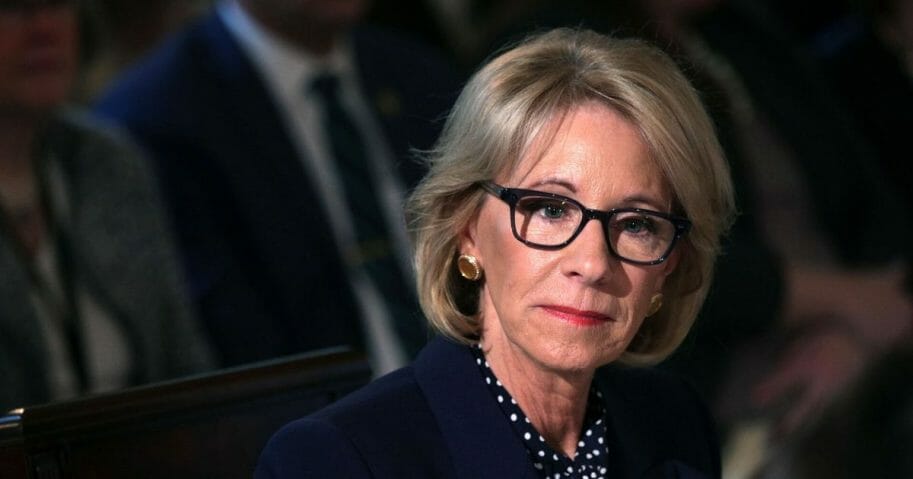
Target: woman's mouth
576	316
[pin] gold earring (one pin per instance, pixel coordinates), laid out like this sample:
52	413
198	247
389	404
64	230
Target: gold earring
469	267
656	302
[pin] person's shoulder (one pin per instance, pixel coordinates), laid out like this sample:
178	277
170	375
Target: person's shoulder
383	396
362	410
373	409
173	73
385	427
310	447
183	51
77	134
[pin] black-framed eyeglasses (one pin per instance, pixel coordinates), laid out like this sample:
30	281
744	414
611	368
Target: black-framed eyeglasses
552	221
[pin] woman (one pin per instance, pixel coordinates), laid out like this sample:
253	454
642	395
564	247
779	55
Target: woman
570	220
90	296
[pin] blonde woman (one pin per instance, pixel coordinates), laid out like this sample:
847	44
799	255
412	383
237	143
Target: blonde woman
564	240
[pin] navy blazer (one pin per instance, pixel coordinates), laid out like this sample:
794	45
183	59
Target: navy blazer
254	237
437	419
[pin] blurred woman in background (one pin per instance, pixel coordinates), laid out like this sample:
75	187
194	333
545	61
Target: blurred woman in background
91	298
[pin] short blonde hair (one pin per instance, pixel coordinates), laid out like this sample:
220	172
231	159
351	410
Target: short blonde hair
502	109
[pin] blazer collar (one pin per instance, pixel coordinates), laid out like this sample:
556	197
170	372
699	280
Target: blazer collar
482	443
478	436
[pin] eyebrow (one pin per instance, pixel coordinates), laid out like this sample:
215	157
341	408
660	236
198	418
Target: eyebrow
652	203
632	201
555	181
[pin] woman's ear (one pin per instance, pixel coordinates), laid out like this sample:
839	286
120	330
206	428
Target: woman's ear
671	262
467	236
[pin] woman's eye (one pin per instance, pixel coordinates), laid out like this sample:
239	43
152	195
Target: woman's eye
544	207
636	225
552	210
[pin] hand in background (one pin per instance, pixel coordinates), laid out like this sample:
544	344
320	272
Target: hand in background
812	372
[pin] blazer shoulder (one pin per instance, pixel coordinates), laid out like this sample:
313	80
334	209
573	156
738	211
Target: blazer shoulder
170	77
385	415
387	393
310	448
96	152
387	428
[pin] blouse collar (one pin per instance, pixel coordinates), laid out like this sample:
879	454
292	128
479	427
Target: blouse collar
591	459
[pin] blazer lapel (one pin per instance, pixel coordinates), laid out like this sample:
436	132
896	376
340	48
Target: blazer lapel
478	436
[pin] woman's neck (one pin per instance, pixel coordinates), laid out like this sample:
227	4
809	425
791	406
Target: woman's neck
554	402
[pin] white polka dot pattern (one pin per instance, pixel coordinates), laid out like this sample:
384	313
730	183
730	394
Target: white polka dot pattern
591	459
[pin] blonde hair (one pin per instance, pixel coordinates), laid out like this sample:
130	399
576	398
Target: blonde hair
507	103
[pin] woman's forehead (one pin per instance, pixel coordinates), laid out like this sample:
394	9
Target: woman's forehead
593	151
588	127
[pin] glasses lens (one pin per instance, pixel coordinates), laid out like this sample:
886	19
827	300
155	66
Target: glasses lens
546	221
640	236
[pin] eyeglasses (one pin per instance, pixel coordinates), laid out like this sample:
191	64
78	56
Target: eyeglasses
550	221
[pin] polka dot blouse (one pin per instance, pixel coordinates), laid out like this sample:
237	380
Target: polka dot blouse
591	461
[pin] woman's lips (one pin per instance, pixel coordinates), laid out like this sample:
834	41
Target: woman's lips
576	316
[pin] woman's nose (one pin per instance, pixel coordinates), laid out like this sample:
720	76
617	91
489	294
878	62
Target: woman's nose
587	258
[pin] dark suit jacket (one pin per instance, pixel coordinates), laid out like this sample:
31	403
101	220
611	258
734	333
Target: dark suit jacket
437	419
254	237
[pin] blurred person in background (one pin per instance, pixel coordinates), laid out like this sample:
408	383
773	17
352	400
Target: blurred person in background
282	132
91	297
868	54
827	293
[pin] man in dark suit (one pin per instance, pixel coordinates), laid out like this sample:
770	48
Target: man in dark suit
234	111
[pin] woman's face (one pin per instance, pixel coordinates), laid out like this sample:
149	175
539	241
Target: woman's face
576	308
38	56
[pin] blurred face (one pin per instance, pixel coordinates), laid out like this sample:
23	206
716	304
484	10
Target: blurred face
335	15
38	55
576	308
